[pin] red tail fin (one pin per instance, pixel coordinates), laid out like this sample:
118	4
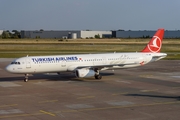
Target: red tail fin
155	43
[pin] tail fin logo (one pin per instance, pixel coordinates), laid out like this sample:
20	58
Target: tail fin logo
155	45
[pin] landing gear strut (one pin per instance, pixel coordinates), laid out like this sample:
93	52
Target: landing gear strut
26	78
97	75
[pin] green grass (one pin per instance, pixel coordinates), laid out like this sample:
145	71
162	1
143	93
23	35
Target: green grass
19	48
171	56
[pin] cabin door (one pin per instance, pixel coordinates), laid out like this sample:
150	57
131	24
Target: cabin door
28	62
104	60
63	63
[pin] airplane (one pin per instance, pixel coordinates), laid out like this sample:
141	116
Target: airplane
89	65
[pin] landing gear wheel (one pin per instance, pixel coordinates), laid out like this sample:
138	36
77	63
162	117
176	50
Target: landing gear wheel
98	77
26	78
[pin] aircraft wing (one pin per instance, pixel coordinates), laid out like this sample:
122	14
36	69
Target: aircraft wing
101	67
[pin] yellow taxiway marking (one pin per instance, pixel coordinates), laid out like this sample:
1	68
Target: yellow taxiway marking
20	115
48	113
48	101
120	93
149	90
86	97
8	105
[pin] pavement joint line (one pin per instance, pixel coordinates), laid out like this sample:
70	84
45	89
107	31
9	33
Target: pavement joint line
149	90
86	97
146	75
67	111
48	101
175	87
120	93
118	107
48	113
89	109
8	105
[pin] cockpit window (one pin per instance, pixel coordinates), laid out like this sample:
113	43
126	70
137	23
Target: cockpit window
18	63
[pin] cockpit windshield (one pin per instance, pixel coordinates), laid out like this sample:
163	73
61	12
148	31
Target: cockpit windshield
18	63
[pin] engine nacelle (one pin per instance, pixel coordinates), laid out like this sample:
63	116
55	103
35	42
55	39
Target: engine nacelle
83	73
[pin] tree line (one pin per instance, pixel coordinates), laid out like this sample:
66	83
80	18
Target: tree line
10	35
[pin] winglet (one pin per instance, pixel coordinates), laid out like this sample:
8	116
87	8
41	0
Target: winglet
154	45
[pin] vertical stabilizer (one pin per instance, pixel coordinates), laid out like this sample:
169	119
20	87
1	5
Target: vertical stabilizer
155	43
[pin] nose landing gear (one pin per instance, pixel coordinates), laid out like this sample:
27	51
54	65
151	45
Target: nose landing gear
26	78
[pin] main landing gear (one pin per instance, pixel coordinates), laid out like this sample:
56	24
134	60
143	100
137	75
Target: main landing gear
97	75
26	78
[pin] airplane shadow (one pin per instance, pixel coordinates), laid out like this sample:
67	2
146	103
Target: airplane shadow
53	77
154	96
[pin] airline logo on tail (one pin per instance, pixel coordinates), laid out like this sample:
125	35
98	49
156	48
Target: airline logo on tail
155	45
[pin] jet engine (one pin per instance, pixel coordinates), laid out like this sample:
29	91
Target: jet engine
83	73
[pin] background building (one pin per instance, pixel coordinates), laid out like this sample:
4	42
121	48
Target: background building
74	34
65	34
143	34
91	34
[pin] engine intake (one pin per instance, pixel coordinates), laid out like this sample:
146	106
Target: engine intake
83	73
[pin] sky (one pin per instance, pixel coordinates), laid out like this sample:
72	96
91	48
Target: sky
89	14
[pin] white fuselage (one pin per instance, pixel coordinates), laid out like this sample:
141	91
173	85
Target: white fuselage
63	63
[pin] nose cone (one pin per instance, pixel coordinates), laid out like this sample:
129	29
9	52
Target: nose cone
9	68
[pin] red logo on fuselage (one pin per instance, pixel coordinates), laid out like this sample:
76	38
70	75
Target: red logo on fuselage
155	44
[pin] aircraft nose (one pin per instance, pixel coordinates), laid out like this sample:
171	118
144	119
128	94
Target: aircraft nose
9	68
